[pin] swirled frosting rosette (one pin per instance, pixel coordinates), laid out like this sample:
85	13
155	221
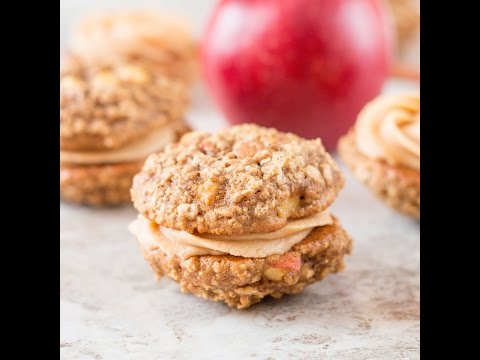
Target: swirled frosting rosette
383	150
389	129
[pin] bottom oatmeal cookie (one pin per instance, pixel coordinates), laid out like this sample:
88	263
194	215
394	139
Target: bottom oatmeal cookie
241	282
98	184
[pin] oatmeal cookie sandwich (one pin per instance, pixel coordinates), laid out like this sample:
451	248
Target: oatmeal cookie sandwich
240	214
158	41
383	150
111	119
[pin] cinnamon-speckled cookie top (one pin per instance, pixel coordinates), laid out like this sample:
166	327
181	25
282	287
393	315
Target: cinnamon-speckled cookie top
107	107
245	179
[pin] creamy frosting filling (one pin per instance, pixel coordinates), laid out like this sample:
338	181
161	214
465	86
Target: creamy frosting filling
136	151
388	128
186	245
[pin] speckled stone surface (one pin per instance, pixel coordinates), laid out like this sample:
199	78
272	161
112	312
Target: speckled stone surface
113	308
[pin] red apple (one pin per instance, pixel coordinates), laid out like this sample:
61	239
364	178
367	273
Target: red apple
305	66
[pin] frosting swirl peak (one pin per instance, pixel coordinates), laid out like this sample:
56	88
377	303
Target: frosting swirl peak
388	128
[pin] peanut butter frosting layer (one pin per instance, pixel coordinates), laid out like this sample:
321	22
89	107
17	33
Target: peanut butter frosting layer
245	179
186	245
136	151
108	107
388	128
162	41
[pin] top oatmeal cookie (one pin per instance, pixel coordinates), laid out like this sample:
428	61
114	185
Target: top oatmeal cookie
245	179
106	107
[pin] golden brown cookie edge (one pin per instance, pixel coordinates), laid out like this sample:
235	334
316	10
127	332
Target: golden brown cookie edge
397	186
98	185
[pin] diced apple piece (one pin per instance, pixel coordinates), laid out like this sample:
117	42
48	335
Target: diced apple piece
288	207
289	261
274	274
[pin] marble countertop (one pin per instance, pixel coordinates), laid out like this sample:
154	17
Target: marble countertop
113	308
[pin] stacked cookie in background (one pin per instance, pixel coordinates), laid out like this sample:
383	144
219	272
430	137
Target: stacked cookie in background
124	91
383	150
241	214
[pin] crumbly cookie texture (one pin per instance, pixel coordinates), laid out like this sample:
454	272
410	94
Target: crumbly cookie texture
98	184
241	282
245	179
107	107
398	186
